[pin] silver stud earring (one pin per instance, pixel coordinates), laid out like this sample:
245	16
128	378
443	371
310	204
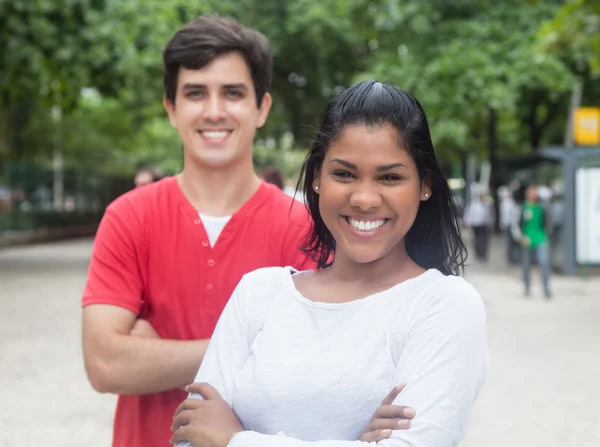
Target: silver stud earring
426	195
317	188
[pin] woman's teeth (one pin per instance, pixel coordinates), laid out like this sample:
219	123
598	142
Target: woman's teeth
368	225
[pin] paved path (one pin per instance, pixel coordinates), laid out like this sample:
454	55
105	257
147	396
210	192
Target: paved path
45	399
543	387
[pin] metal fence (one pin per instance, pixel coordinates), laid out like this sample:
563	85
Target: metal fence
35	198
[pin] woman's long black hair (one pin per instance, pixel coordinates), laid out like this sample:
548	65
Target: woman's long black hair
434	240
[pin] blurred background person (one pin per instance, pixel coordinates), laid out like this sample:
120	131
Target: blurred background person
479	217
146	175
530	228
508	207
557	213
272	175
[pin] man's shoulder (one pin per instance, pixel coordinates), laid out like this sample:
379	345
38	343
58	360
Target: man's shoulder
284	205
142	200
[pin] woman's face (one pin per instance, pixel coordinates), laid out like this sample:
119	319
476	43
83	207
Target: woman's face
369	192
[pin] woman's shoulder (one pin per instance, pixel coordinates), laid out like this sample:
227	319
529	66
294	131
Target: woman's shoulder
267	275
260	291
266	283
450	292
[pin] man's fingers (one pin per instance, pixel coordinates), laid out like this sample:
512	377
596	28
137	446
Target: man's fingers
393	394
205	390
375	436
394	412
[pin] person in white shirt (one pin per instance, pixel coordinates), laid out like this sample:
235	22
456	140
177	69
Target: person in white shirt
302	359
479	216
508	208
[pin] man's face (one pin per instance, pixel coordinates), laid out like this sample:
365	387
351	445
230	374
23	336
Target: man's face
532	193
215	112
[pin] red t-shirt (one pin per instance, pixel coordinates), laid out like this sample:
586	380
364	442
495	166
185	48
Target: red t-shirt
152	256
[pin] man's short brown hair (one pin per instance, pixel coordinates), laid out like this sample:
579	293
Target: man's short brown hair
200	41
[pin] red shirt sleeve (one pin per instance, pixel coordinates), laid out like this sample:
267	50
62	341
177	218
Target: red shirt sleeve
114	275
295	238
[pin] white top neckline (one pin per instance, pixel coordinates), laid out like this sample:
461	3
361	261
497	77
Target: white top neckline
326	305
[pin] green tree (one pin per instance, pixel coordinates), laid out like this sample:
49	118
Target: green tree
476	68
574	34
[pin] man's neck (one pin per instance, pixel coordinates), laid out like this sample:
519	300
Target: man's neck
218	192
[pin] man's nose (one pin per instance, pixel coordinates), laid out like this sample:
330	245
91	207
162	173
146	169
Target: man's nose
214	108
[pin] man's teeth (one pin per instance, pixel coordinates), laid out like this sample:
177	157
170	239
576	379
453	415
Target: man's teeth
214	134
368	225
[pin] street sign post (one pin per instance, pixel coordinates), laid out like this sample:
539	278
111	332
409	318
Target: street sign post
586	123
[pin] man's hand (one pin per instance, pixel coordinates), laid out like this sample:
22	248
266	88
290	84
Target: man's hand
143	328
207	423
525	241
388	417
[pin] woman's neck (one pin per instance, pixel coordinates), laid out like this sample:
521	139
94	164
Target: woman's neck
389	270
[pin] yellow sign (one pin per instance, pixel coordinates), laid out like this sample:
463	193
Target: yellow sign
587	126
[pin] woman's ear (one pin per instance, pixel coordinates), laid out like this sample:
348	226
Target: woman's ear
316	181
425	189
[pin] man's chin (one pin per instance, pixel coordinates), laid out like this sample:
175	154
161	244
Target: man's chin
216	161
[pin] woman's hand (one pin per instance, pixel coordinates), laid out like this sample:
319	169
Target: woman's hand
388	417
205	423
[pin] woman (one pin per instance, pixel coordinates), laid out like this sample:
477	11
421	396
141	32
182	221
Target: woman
308	356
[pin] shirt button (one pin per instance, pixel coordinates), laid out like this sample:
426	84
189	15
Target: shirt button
211	262
205	243
197	222
209	287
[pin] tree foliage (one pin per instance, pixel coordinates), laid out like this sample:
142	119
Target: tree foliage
87	74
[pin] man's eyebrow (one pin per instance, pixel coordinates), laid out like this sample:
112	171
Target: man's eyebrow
192	86
238	85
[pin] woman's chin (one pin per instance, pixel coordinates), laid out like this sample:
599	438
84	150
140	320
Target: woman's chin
359	257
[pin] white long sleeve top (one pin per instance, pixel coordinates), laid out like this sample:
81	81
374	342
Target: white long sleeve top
300	373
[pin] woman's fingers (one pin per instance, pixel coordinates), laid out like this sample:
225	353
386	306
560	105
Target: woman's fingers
181	419
394	412
393	394
375	436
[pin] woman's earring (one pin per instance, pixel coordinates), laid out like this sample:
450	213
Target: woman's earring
426	195
316	188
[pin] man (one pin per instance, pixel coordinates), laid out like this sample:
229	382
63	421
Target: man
530	228
167	256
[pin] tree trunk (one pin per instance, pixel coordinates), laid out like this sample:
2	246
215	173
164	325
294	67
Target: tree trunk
492	138
58	184
58	180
